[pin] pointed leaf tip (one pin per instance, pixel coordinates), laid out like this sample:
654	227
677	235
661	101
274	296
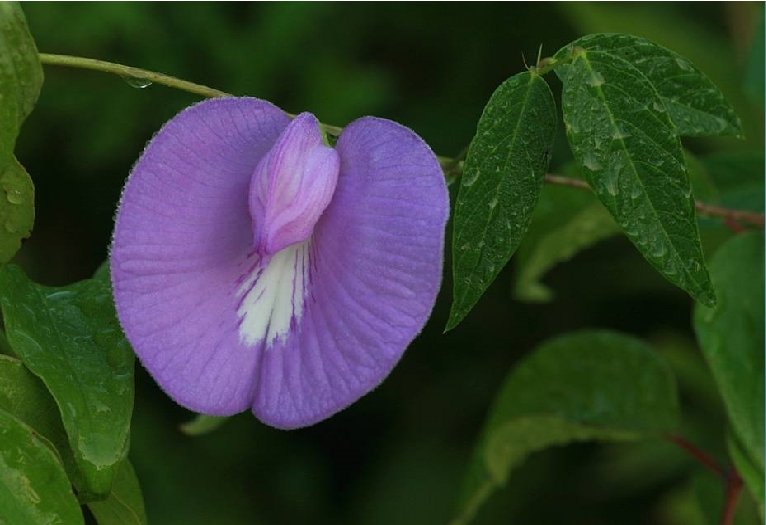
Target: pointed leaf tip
500	186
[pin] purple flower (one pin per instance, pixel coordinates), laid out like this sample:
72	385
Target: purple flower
255	267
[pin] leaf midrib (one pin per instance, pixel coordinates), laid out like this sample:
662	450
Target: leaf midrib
612	121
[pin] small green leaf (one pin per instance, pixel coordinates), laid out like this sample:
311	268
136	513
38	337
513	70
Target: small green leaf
631	155
34	489
694	104
501	182
202	424
69	337
17	207
21	77
591	385
565	222
731	336
125	504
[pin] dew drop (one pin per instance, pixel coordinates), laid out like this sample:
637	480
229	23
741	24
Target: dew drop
14	196
620	134
596	79
658	106
591	162
492	203
10	227
138	83
683	64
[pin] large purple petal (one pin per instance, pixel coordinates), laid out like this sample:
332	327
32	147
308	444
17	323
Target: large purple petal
181	246
375	269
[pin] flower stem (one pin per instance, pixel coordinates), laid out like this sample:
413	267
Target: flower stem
452	166
128	72
134	73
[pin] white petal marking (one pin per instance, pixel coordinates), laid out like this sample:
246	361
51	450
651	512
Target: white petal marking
272	296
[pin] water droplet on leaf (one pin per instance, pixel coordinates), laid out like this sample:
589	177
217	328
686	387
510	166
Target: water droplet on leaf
591	162
14	196
596	79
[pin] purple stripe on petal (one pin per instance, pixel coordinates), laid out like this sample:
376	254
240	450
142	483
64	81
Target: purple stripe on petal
375	270
183	242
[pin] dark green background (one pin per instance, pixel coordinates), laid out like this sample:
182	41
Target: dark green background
398	455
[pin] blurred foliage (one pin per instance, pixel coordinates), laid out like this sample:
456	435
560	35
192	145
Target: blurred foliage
398	455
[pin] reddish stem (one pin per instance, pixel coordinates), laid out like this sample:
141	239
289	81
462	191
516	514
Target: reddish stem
730	477
733	490
700	455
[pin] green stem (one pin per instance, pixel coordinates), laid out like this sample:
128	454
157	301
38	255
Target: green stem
134	73
453	167
128	72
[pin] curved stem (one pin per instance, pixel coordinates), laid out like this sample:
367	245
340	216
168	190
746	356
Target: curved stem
130	73
134	73
452	166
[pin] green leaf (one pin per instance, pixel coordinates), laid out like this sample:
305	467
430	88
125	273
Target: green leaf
34	489
565	222
738	177
21	77
631	155
694	104
125	504
202	424
747	468
17	207
731	336
69	337
23	396
591	385
501	182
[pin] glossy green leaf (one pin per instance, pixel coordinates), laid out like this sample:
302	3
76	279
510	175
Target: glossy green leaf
34	489
694	104
565	222
500	186
591	385
125	504
202	424
25	397
628	148
17	207
69	337
731	336
21	77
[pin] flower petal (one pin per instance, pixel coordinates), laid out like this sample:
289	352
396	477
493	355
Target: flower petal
375	266
292	186
181	245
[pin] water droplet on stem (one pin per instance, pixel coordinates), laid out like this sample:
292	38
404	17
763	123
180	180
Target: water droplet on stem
136	82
